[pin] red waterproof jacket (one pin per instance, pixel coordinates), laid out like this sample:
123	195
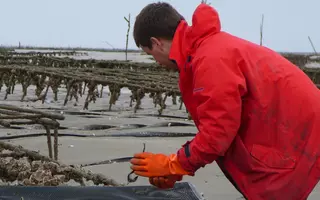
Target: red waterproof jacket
257	114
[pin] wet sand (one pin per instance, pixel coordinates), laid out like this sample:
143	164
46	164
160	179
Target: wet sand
78	150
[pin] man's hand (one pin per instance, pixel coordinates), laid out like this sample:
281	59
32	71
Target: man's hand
157	165
165	182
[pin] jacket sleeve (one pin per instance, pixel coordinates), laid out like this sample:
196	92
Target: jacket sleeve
218	87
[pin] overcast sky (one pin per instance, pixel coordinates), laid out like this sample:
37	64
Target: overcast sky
90	23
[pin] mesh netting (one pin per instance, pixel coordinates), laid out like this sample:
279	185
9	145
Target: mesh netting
181	191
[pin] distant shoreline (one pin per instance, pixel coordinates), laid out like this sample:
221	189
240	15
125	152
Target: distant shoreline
106	49
69	48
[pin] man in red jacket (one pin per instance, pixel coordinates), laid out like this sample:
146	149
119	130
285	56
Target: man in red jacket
257	114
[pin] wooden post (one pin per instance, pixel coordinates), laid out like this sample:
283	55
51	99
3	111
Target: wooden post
261	30
314	49
127	40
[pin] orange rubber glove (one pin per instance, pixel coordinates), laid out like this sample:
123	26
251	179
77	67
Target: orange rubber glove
154	165
165	182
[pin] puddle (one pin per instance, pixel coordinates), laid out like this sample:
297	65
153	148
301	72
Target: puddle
63	128
90	117
60	109
37	127
132	126
165	116
104	110
151	134
169	124
80	113
97	127
13	127
130	116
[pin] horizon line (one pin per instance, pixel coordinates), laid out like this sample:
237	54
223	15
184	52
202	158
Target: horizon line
79	48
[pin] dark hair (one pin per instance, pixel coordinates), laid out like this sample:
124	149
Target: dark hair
155	20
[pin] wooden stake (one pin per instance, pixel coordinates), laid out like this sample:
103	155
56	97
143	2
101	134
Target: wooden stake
314	49
261	30
127	40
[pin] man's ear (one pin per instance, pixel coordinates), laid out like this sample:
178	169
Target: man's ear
155	41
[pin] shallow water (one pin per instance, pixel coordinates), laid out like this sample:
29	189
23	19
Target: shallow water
135	57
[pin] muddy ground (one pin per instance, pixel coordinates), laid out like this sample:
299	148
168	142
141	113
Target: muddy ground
101	146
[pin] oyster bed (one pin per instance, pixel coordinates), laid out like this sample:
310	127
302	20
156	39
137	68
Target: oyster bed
19	166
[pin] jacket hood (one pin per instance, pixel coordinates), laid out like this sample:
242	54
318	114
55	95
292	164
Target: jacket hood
205	22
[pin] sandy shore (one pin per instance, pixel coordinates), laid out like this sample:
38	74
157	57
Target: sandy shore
77	150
